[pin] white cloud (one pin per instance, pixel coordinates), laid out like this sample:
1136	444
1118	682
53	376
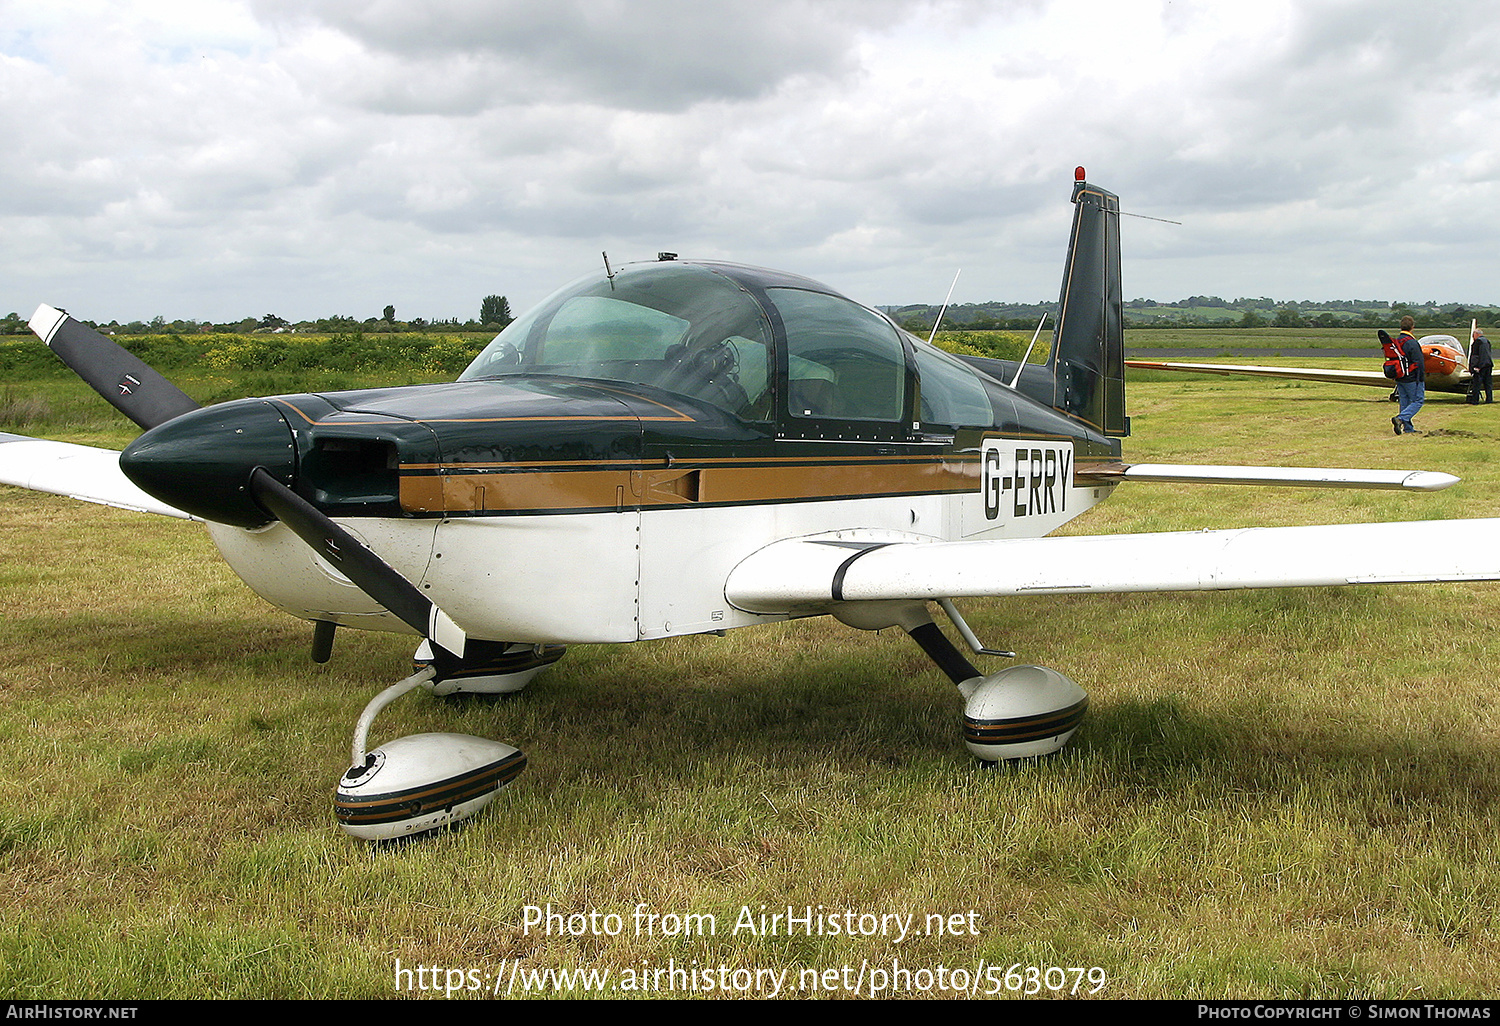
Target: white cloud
218	158
644	54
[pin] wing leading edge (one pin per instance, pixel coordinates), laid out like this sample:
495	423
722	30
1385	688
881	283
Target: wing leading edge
808	575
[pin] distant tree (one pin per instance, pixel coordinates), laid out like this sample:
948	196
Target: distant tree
495	310
270	320
1251	319
1288	317
389	313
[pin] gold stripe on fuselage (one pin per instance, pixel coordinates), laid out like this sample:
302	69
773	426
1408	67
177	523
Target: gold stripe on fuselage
549	488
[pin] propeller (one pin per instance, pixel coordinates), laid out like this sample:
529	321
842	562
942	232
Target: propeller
231	464
119	376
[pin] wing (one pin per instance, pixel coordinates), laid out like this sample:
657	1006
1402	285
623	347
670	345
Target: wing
77	471
1375	379
807	575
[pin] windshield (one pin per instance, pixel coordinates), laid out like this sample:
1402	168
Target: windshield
679	327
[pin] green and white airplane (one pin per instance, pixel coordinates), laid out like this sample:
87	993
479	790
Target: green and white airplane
680	447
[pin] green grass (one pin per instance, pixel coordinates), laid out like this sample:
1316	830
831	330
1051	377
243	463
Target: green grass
1226	339
1276	794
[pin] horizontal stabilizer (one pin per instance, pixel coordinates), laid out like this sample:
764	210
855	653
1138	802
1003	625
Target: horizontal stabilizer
77	471
1298	477
807	575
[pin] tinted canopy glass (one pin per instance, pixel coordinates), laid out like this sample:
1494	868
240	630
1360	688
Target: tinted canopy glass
844	362
679	327
951	392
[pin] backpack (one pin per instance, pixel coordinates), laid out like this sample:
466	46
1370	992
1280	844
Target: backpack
1397	366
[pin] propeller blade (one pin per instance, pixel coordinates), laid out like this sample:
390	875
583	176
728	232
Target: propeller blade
373	575
131	387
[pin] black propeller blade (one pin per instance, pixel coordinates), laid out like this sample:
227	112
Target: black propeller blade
131	387
354	560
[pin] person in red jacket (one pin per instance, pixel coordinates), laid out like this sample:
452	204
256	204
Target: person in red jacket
1412	387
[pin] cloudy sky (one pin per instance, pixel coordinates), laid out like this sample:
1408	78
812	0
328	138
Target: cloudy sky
216	159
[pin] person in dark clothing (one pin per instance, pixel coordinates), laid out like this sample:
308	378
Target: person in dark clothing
1481	367
1412	388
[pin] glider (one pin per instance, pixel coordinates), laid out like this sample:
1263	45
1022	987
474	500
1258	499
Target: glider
1446	365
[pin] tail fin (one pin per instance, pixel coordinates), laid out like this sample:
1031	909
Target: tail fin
1088	349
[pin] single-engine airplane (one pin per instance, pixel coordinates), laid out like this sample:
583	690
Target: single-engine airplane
1443	357
679	447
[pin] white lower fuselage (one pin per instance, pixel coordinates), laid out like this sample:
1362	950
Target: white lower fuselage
649	571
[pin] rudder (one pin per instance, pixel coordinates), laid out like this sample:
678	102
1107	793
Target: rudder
1088	348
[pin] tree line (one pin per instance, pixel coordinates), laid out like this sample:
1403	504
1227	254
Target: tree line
1195	311
1207	311
494	315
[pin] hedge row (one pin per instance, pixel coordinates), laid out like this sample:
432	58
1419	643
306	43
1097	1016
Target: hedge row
351	351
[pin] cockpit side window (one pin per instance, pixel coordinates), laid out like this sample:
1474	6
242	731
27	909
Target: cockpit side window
843	362
951	393
677	327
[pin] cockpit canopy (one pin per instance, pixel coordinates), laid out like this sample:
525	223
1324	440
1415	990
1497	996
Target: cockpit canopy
679	327
737	338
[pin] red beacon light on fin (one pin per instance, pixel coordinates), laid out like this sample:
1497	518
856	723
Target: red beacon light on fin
1078	174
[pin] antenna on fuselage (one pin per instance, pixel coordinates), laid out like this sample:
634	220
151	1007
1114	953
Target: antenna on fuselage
944	308
1029	348
608	273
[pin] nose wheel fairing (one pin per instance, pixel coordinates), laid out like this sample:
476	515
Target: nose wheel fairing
423	782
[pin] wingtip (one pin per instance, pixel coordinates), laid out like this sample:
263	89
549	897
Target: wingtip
1429	481
45	322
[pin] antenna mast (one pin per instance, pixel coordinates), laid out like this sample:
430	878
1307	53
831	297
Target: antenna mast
944	309
1034	334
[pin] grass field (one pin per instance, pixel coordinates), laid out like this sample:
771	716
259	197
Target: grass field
1225	340
1276	795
